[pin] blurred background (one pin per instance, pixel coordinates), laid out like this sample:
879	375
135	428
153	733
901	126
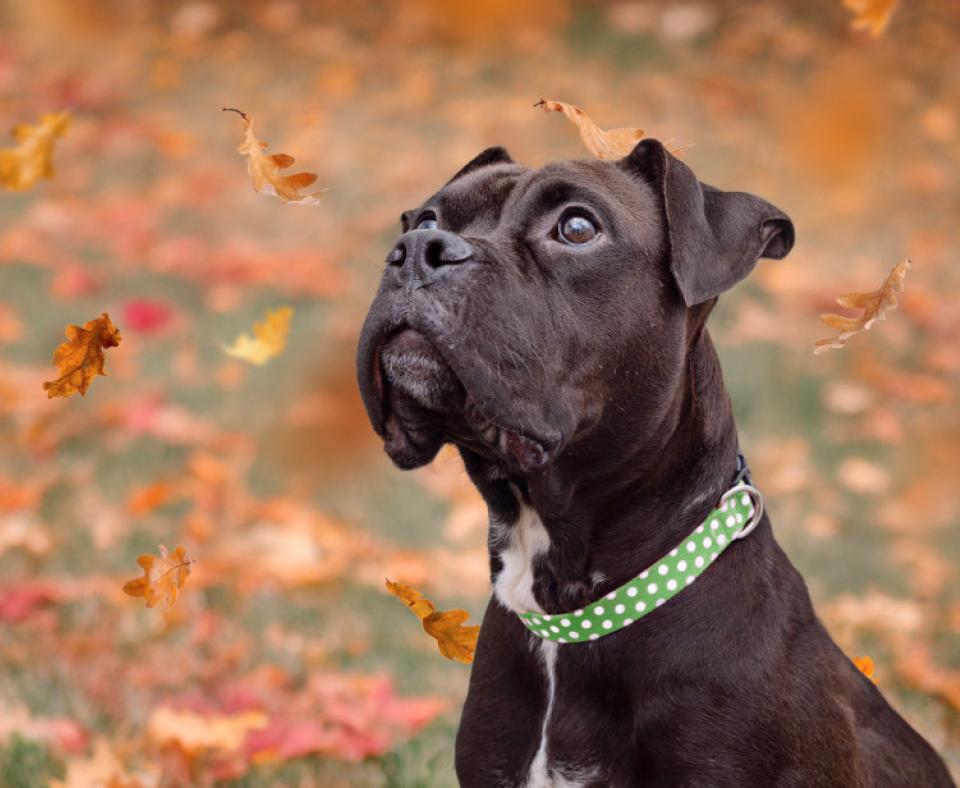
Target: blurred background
284	662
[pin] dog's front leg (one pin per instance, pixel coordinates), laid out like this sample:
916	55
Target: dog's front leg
499	733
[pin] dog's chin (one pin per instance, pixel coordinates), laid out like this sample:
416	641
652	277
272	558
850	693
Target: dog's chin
418	393
424	405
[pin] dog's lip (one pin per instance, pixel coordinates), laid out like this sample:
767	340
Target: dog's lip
529	451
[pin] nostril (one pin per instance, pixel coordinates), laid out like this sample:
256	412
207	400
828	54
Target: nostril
446	249
433	253
397	255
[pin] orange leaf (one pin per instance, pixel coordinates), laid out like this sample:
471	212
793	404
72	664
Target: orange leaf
871	15
265	169
454	640
874	304
80	358
865	666
144	500
163	577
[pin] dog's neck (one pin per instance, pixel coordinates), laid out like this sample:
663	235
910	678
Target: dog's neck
609	519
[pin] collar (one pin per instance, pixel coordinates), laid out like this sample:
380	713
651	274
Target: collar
737	514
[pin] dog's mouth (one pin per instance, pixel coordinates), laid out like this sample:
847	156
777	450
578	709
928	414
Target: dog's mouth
423	403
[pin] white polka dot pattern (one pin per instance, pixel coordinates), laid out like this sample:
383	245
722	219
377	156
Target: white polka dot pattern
642	595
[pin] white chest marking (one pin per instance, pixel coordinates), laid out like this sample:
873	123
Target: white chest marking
539	774
525	540
518	546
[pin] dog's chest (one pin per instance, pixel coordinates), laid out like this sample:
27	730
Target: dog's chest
519	546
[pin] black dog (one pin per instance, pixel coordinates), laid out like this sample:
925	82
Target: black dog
551	323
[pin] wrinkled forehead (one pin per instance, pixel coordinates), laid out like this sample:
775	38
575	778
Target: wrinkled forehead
478	201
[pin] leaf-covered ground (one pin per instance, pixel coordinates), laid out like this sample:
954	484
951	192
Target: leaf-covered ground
284	661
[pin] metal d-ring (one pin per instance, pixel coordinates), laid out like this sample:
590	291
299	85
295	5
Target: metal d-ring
757	500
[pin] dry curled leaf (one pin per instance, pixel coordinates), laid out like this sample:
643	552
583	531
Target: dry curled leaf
265	169
865	666
268	340
604	144
81	358
163	577
454	640
21	167
874	304
871	15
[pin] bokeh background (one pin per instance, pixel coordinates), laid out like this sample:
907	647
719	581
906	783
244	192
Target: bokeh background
284	662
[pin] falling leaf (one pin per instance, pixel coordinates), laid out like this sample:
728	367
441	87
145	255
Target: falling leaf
21	167
865	666
80	358
874	305
609	144
871	15
454	640
162	579
268	340
265	169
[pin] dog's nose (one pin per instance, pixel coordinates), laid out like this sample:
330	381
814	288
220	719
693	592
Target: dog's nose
427	250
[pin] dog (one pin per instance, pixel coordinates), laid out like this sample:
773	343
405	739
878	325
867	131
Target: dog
551	323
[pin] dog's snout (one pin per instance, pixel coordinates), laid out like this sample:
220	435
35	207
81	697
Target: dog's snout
426	250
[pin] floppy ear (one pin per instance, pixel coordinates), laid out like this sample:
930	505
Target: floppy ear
715	237
497	155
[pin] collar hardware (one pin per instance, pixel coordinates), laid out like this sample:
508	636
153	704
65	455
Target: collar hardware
737	514
756	500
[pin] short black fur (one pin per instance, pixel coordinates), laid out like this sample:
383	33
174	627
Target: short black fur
581	384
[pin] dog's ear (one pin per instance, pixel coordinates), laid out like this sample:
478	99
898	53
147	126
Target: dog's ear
715	237
497	155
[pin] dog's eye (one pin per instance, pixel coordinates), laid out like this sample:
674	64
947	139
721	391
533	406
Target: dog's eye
577	230
428	222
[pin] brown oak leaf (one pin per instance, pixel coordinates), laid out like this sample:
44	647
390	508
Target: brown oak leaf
163	577
454	640
874	304
81	358
265	169
606	144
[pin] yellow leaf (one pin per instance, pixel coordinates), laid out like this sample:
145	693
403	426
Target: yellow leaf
265	169
609	144
163	577
268	340
874	304
102	769
196	733
865	666
21	167
871	15
81	358
454	640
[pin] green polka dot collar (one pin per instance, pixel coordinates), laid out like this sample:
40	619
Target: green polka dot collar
737	515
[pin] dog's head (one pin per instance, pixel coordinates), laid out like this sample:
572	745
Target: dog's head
525	313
